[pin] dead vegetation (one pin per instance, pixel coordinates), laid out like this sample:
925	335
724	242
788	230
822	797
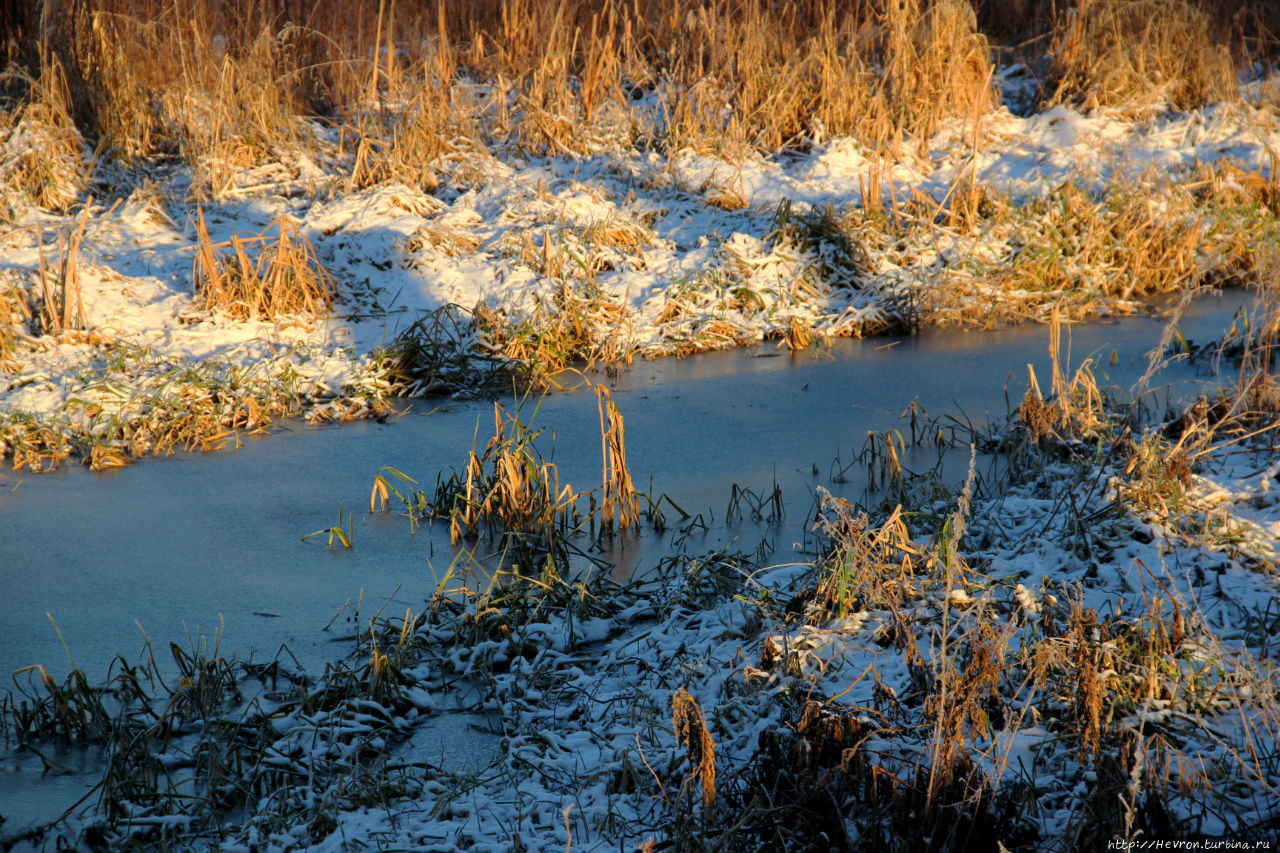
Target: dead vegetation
436	354
14	317
914	685
261	277
1138	55
189	735
263	98
691	731
43	157
1130	697
237	93
61	308
230	87
511	493
174	405
575	325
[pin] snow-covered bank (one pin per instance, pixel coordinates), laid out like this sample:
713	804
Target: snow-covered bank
612	255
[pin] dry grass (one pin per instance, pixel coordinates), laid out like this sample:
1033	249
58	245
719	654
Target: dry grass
510	491
42	153
195	415
281	277
1086	251
399	144
866	565
229	86
1133	696
976	257
174	405
15	314
224	87
144	716
1120	246
1138	54
577	324
509	487
61	307
1103	668
1074	408
691	730
34	444
1159	479
437	354
619	501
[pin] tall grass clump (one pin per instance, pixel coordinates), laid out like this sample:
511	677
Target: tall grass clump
575	323
509	486
619	501
436	354
1085	250
865	564
261	277
229	86
771	77
235	88
224	85
44	160
511	492
1138	54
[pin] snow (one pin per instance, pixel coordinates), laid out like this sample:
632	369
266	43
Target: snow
588	759
398	250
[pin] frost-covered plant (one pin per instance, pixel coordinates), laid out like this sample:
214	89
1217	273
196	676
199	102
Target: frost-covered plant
439	353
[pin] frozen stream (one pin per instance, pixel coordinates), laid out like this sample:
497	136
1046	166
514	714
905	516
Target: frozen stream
179	544
182	545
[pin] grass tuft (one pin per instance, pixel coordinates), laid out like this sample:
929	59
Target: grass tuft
261	277
43	157
439	353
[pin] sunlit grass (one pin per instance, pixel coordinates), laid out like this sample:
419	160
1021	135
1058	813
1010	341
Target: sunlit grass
261	277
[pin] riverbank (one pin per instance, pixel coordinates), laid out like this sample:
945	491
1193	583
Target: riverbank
216	218
1068	646
152	301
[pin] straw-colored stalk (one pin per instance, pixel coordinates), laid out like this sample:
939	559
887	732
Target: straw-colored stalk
691	730
62	309
619	502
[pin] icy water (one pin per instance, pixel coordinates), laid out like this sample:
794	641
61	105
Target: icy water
207	548
183	545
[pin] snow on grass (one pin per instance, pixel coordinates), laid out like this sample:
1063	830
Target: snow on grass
1077	651
620	253
1049	658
